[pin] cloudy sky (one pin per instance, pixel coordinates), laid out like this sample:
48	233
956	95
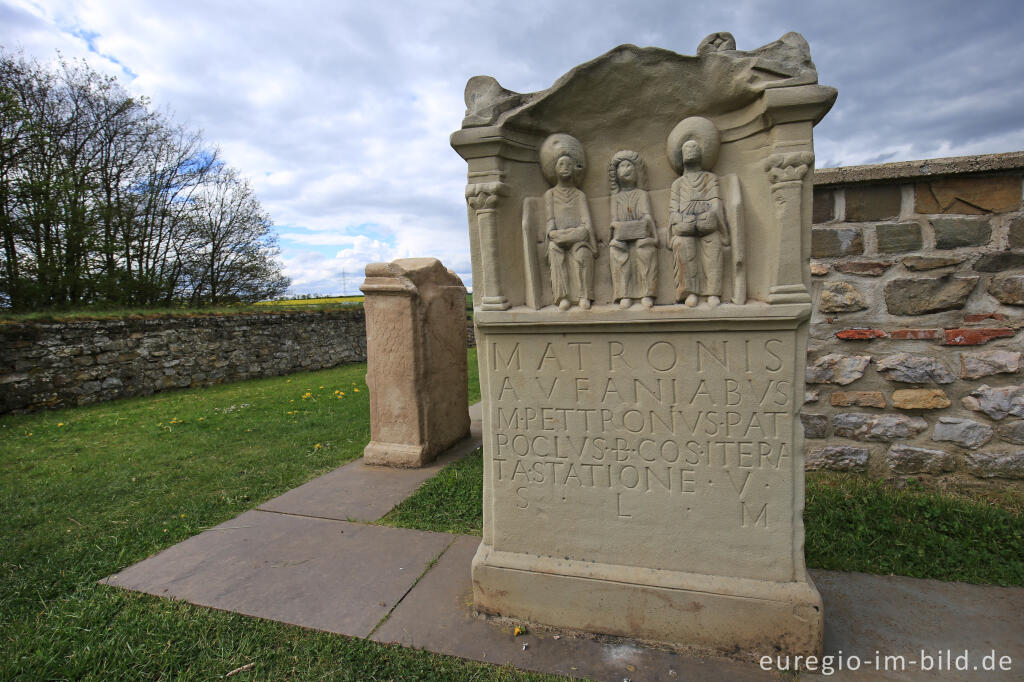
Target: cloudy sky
340	112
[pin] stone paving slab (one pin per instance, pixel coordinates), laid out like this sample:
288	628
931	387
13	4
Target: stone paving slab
437	616
901	616
863	614
358	492
297	560
318	573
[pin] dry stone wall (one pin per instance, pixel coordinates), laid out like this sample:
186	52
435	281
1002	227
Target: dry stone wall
914	363
69	363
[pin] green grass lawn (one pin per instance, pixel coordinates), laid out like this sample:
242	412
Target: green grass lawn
451	502
853	524
88	491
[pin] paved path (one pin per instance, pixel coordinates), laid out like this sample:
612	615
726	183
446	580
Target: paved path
308	558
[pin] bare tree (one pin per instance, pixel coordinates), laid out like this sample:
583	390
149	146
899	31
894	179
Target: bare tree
233	245
104	200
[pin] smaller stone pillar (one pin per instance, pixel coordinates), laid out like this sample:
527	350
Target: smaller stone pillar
416	361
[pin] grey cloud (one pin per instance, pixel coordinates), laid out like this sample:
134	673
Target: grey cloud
350	106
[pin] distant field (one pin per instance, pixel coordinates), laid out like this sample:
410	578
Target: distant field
337	300
342	300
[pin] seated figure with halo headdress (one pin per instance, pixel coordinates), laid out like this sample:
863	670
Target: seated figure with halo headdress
569	237
699	228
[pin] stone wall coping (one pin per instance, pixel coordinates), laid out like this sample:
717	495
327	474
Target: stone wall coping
927	168
141	320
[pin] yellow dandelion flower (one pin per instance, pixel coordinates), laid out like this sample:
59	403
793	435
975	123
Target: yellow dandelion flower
356	390
182	516
321	387
60	423
317	446
289	381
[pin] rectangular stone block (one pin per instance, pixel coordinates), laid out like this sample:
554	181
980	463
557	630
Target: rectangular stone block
1016	232
922	263
872	203
597	435
828	242
965	195
864	268
920	296
858	399
815	425
416	361
920	399
823	209
998	262
898	237
600	436
953	233
1007	288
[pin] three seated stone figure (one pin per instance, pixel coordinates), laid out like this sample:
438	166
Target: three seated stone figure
634	244
569	233
698	230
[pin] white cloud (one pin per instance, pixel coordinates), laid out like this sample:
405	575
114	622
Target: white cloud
340	112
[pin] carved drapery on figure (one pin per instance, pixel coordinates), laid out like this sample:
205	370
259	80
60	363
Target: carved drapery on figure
570	242
786	172
633	249
698	229
483	198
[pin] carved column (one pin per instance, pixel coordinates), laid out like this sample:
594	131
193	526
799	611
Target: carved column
786	173
483	198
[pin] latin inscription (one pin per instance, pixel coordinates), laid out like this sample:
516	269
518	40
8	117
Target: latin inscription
674	421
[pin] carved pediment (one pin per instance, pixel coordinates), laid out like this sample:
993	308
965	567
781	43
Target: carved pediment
717	80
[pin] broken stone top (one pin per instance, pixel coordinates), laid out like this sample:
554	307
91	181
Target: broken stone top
719	79
418	272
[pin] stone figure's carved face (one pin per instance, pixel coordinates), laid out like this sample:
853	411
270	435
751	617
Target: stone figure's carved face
565	167
626	172
691	152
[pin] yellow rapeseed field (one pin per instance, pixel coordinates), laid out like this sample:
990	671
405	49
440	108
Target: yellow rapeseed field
314	301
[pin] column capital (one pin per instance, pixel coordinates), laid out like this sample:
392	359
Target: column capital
485	195
787	167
